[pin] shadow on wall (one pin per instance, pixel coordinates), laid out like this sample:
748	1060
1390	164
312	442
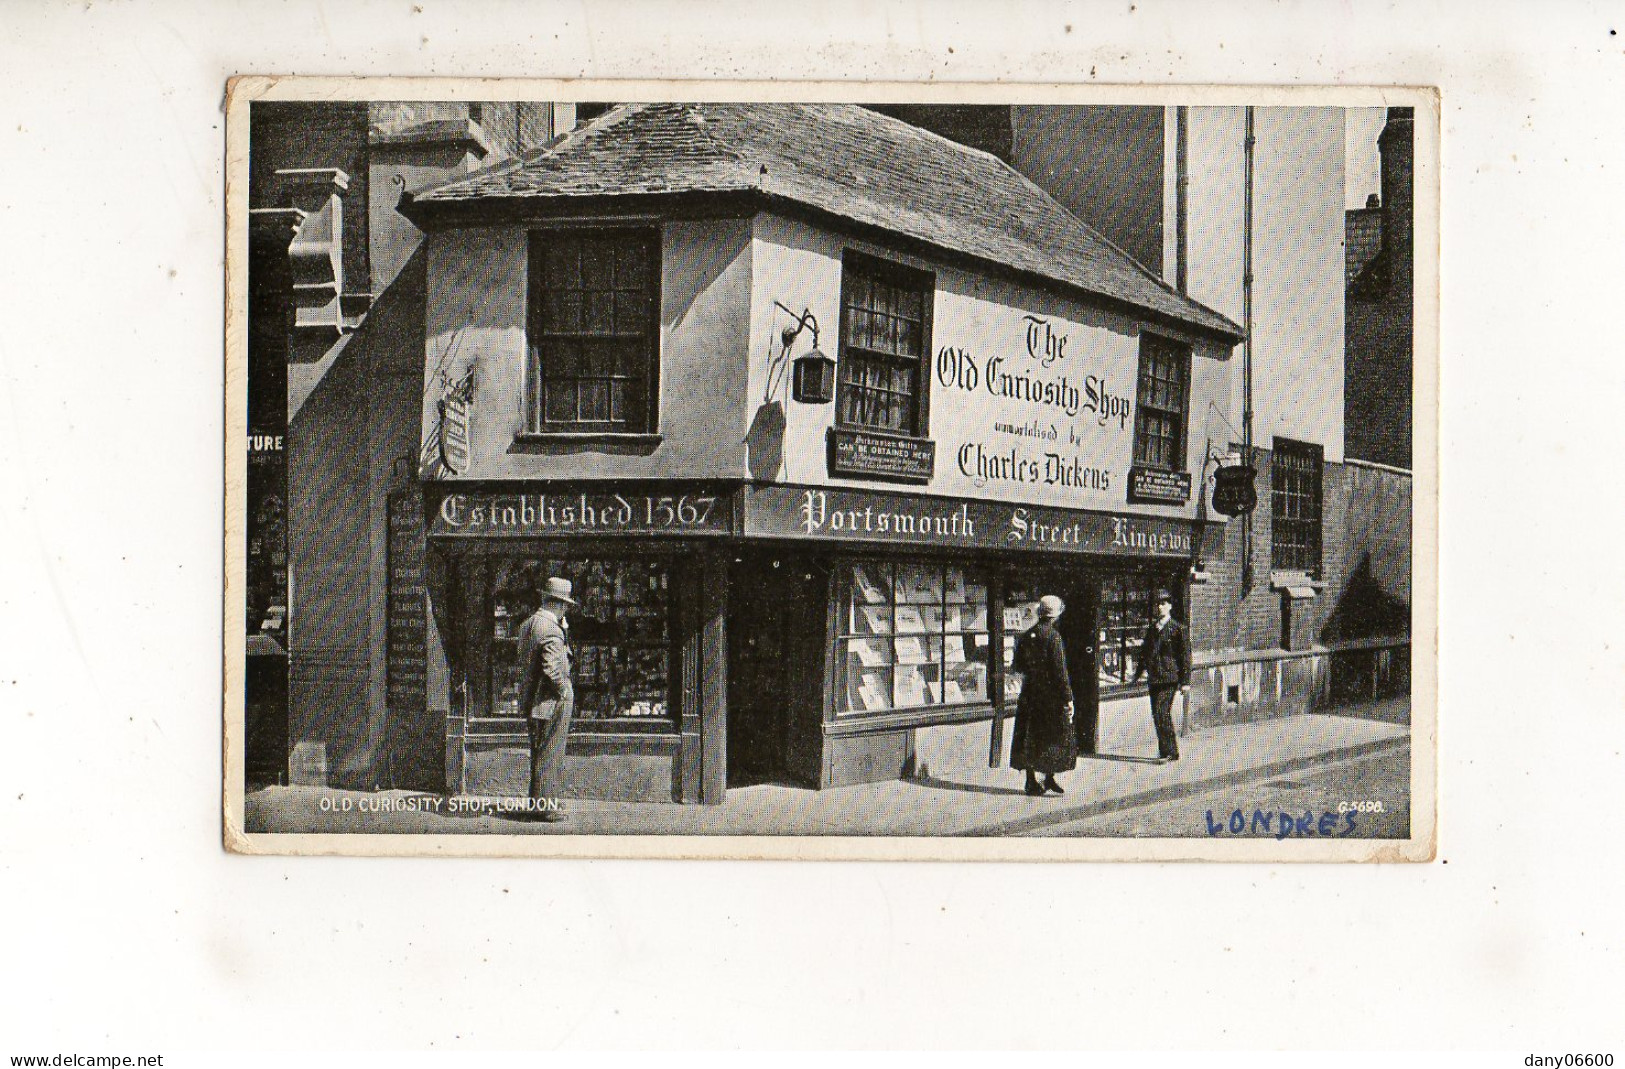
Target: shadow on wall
1366	610
765	442
355	420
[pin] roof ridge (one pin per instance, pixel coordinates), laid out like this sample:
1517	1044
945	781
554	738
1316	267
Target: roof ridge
521	160
694	108
1104	240
948	141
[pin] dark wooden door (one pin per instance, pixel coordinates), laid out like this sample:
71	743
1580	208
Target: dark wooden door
761	603
1079	632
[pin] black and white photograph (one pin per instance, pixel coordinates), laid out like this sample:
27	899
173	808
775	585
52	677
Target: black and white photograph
869	528
760	471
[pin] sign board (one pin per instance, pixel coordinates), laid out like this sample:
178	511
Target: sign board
902	520
564	513
861	454
455	446
406	632
1154	486
1233	490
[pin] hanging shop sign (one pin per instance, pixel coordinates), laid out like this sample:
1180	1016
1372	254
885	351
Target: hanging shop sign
456	433
896	519
1156	487
1233	490
563	512
860	454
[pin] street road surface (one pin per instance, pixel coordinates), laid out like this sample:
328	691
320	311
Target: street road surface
1363	798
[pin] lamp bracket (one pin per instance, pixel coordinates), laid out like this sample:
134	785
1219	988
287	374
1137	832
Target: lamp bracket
802	322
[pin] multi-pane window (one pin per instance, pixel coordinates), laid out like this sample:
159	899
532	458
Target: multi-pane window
620	634
885	334
1159	414
911	635
592	331
1125	612
1295	507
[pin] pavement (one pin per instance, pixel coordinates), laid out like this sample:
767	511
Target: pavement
1368	797
962	799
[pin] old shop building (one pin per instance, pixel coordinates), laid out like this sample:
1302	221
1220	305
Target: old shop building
625	341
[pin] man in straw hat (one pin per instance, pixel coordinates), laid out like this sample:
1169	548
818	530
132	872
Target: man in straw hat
547	693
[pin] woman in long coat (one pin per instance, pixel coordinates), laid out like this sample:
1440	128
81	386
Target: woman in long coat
1044	740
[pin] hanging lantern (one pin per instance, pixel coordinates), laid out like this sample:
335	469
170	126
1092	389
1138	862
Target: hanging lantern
1233	492
814	382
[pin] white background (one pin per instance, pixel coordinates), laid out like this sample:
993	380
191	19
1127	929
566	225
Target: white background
125	928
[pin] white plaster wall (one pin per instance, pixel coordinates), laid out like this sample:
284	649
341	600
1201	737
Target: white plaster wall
800	266
476	317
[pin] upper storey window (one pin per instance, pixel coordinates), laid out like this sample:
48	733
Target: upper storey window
1159	420
593	353
885	334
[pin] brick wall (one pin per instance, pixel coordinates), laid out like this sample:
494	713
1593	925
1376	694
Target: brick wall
1377	394
1362	237
1227	618
1245	671
1379	317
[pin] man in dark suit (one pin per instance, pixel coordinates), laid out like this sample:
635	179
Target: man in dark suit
1165	659
547	694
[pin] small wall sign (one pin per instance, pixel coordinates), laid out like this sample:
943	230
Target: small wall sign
877	456
1159	487
1233	491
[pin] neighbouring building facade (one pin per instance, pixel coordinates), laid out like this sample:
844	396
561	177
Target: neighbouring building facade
811	404
1307	600
335	286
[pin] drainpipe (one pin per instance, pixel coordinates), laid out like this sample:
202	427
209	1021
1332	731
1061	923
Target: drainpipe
1182	183
1247	341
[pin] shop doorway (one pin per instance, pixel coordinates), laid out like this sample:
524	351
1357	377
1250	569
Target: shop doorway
770	601
1078	627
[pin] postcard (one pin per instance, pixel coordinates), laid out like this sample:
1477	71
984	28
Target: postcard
572	423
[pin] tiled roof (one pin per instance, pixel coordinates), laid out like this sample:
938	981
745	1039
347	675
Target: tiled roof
840	159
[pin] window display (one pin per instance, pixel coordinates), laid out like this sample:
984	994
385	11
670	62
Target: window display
911	636
620	635
1125	610
1020	614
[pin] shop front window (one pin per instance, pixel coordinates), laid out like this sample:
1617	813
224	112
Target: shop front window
620	635
911	636
1125	613
1020	614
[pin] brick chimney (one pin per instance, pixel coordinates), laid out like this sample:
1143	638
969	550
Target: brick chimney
1397	145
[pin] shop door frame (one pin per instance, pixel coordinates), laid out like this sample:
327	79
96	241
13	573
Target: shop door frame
762	607
1078	586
